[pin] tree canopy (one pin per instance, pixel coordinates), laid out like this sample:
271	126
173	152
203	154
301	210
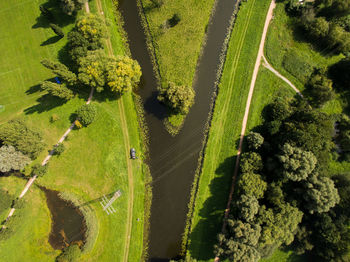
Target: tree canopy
11	159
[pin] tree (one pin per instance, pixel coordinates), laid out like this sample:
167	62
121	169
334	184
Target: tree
59	90
87	114
70	7
278	225
251	162
10	159
320	88
24	139
297	164
319	28
39	170
279	109
92	69
255	140
57	30
320	194
248	207
78	45
179	98
92	27
61	70
123	74
59	149
252	184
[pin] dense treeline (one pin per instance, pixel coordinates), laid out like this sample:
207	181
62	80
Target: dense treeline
285	195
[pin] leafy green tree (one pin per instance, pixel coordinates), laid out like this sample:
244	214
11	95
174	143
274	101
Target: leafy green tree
179	98
59	149
123	74
10	159
319	27
275	194
252	184
248	207
87	114
278	225
297	163
251	162
92	27
24	139
302	241
61	70
59	90
70	7
321	194
92	69
39	170
57	30
78	45
279	109
255	140
320	89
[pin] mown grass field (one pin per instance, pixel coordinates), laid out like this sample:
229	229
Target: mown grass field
216	176
94	162
29	241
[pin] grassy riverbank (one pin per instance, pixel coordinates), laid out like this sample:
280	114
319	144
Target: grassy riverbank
94	161
215	179
31	225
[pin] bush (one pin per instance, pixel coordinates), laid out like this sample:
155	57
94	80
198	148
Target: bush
54	118
39	170
255	140
18	203
5	200
174	20
179	98
87	114
58	30
59	149
296	65
69	254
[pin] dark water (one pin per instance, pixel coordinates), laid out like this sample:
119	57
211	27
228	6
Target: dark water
173	160
68	224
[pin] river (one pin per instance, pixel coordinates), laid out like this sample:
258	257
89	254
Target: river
173	160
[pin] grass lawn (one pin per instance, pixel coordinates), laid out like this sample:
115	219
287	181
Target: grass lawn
32	225
215	179
94	162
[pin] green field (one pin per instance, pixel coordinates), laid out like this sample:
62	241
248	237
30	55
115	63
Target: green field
32	226
94	162
215	179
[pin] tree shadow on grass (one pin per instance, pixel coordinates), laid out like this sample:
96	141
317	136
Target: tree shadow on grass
45	103
33	89
204	235
51	40
108	196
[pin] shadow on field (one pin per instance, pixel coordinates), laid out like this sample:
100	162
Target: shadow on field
108	196
204	235
51	40
33	89
45	103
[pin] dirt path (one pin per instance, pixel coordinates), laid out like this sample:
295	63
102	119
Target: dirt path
124	127
269	67
246	112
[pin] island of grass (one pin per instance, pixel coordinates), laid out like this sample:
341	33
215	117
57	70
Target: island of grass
94	160
177	33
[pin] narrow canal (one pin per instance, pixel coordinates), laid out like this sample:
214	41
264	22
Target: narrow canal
173	160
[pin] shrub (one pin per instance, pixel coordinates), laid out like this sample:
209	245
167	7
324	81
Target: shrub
179	98
59	149
39	170
5	200
57	30
69	254
174	20
78	124
10	159
87	114
54	118
296	65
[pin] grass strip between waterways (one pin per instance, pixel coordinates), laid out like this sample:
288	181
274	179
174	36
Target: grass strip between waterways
215	179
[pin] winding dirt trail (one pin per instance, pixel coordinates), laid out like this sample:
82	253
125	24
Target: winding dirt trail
246	112
124	127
